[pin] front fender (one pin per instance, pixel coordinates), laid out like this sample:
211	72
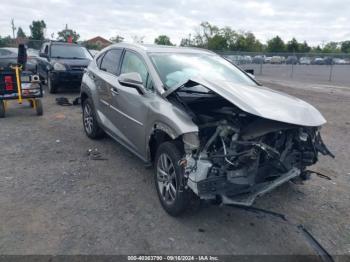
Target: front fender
170	119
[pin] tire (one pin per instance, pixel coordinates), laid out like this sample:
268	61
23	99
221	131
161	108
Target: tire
31	104
39	107
2	109
52	88
173	197
91	126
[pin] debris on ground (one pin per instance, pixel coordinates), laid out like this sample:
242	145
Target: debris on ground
94	154
319	174
312	241
63	101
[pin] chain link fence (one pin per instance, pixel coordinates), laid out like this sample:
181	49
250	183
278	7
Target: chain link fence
304	67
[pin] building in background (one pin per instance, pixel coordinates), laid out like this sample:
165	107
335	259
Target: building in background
98	42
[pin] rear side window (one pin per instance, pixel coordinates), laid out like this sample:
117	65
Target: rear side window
110	61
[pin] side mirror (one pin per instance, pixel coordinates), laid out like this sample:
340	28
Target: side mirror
132	80
250	72
43	55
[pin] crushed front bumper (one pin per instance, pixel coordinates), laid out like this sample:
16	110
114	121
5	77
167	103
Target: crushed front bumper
248	199
232	194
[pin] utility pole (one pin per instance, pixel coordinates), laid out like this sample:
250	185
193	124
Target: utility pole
13	28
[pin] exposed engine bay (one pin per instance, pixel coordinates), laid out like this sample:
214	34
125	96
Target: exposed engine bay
240	156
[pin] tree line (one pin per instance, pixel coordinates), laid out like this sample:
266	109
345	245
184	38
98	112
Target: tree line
226	39
205	36
37	33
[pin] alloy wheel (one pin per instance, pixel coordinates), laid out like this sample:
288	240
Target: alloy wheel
166	178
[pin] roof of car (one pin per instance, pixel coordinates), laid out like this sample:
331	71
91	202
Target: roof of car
149	48
60	43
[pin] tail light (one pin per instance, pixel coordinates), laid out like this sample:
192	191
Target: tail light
8	83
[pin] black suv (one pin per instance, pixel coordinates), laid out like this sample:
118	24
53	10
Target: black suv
62	63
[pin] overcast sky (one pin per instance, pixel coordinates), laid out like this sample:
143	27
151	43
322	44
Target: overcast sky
315	21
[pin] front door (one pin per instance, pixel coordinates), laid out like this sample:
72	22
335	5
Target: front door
131	107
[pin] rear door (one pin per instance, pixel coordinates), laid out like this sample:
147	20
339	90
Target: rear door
108	71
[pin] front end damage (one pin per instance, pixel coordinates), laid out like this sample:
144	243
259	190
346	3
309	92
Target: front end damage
237	156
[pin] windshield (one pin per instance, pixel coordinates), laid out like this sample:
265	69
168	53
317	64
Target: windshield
176	68
70	51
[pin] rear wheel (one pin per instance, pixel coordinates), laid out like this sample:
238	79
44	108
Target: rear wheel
2	109
168	180
91	126
39	107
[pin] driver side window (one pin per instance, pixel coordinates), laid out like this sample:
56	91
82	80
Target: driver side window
133	64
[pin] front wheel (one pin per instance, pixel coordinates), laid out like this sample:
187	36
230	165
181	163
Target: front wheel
174	198
51	86
2	109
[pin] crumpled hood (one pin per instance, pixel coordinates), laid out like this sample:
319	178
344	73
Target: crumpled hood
264	102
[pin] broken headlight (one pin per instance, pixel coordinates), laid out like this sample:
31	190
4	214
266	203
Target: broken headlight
191	141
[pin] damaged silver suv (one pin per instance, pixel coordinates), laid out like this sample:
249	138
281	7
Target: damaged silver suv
211	131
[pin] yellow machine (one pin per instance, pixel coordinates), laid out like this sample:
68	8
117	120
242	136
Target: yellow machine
19	85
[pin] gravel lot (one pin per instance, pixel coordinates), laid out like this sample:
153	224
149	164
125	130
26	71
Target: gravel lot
55	200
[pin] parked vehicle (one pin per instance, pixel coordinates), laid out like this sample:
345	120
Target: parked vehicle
211	131
318	61
8	56
267	59
276	60
341	61
247	59
62	64
328	60
259	59
292	60
236	59
305	60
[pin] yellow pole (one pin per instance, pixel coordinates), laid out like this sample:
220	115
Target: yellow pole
19	89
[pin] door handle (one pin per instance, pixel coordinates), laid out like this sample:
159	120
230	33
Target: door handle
114	91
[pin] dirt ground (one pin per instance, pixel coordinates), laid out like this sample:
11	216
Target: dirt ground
54	199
